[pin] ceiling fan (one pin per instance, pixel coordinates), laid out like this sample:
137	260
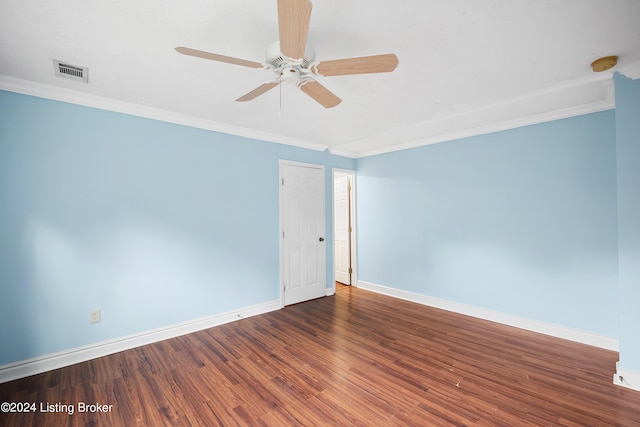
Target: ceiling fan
293	60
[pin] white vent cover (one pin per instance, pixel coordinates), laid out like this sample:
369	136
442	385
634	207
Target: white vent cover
71	71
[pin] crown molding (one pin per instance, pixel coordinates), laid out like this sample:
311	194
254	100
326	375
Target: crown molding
337	151
568	100
494	127
57	93
631	70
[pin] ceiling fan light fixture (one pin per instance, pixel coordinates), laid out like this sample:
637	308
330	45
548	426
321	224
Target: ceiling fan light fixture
604	64
290	74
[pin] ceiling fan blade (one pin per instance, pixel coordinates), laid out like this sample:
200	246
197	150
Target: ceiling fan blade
258	91
216	57
318	92
361	65
293	24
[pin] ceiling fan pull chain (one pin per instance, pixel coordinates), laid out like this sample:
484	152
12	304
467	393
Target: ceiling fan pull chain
280	87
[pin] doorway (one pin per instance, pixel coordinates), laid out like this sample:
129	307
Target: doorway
344	247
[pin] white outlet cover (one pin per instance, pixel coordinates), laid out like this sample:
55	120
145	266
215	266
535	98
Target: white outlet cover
94	316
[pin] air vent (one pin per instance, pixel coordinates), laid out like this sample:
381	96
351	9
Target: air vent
71	71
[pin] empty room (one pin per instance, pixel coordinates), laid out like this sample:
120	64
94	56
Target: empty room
286	212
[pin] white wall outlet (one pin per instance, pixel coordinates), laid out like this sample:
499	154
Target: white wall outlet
94	316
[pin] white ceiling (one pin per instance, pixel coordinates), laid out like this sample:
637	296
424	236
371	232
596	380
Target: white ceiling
466	66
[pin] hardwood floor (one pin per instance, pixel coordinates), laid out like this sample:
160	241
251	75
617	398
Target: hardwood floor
341	286
356	358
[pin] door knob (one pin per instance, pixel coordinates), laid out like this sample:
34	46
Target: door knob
322	239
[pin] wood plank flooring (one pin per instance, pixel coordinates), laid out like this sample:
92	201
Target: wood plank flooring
354	359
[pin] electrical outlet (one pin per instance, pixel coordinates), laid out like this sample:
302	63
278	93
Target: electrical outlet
94	316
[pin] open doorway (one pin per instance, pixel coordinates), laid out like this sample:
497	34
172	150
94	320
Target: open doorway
344	241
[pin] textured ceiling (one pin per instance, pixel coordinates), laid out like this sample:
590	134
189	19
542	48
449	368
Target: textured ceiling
466	66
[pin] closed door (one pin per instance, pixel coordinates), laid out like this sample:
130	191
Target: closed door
342	248
303	232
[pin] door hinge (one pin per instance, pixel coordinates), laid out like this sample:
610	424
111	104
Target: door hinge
350	271
282	181
283	234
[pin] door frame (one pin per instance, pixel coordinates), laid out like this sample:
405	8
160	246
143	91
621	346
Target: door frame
352	203
281	163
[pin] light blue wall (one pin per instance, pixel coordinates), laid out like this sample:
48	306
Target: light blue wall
157	223
151	222
522	222
628	146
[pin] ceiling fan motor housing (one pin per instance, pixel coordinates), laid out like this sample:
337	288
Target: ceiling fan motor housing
280	62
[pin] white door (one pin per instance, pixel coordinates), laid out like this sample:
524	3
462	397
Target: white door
303	227
342	240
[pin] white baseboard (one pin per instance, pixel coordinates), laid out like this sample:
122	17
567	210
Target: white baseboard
72	356
626	378
494	316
